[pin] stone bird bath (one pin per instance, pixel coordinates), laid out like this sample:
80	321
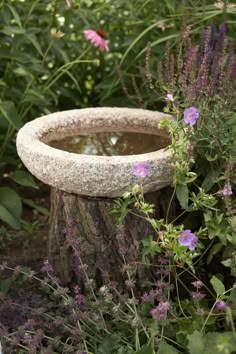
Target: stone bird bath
83	187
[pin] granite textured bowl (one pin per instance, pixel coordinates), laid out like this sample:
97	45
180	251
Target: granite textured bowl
100	176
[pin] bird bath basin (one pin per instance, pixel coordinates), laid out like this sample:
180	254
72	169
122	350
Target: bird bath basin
99	176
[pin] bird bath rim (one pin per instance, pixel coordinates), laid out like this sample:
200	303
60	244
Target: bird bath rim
100	176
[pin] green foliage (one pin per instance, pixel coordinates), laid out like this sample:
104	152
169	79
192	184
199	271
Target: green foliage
10	207
9	112
218	286
211	343
165	348
182	194
150	247
146	349
203	165
196	343
108	345
23	178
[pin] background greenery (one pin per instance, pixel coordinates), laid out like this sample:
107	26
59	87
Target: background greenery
42	74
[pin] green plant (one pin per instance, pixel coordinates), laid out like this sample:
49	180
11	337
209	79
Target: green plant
39	72
187	304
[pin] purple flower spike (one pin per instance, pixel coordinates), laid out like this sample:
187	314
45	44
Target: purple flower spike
188	239
141	169
191	115
220	305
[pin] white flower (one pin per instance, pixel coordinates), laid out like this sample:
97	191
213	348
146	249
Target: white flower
220	5
169	97
56	34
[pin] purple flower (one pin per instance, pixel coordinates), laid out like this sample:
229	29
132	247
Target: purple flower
191	115
220	305
188	239
164	306
197	284
30	324
160	311
152	295
47	267
163	260
227	190
196	295
141	169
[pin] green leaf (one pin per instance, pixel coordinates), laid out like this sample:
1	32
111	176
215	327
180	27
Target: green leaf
9	112
165	348
35	43
125	350
33	205
232	221
228	262
109	343
21	71
146	349
196	343
211	158
219	343
20	57
6	216
150	247
15	14
213	251
9	30
10	207
209	180
182	195
151	27
218	286
24	178
5	285
33	96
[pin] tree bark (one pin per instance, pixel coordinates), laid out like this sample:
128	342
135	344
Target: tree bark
83	231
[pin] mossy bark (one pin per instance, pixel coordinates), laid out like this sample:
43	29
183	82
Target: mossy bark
85	227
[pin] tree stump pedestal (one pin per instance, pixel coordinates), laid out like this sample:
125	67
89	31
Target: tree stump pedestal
83	231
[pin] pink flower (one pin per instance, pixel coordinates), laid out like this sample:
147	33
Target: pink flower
97	38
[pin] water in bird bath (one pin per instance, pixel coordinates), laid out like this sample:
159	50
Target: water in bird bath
112	143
